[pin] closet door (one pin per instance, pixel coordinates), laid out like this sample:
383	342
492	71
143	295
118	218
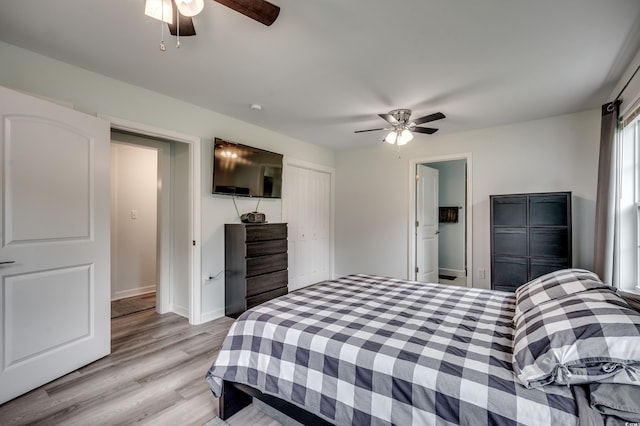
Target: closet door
307	210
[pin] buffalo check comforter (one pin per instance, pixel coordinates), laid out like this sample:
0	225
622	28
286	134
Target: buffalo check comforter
366	350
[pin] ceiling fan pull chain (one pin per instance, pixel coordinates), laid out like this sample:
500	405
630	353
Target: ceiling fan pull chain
178	29
162	46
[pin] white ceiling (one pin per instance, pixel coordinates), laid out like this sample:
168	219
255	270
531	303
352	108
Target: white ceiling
326	68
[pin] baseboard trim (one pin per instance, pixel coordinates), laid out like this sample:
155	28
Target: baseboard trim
211	315
134	292
452	272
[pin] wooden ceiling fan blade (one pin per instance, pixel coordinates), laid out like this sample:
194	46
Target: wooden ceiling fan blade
389	118
369	130
427	130
186	24
430	117
259	10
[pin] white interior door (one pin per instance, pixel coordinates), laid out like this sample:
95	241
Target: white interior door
427	224
54	212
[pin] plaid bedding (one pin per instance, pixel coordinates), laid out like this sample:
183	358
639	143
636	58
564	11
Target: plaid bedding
371	350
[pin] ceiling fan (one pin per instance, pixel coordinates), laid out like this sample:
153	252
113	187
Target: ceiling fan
402	127
177	13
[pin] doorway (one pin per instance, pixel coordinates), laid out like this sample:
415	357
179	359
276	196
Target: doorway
449	224
179	219
136	205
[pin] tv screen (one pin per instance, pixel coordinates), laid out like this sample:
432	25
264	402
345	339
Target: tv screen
246	171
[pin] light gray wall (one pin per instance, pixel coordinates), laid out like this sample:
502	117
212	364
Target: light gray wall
372	195
94	93
134	187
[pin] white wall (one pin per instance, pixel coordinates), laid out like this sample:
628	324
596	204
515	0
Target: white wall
134	188
93	93
372	195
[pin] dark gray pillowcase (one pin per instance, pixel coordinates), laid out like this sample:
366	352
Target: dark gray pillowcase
622	401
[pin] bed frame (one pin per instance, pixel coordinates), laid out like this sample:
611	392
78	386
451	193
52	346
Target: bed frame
236	396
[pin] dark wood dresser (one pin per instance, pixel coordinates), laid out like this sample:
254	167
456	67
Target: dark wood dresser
530	236
255	257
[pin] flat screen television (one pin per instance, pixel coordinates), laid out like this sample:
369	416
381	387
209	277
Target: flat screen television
246	171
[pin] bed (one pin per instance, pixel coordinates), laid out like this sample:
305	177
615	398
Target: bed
365	349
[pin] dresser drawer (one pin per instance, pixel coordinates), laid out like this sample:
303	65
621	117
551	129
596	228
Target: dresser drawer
265	232
510	241
267	282
265	264
509	271
263	297
263	248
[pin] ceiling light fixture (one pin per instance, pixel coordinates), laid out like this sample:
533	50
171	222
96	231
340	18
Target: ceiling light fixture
159	9
162	10
190	7
403	127
399	136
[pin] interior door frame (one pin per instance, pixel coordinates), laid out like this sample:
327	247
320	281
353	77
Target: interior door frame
411	249
195	256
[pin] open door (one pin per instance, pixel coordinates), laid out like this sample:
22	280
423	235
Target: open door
426	224
54	252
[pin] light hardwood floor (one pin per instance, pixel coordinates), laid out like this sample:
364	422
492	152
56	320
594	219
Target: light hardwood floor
154	375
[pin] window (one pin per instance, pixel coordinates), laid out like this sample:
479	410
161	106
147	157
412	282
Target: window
628	230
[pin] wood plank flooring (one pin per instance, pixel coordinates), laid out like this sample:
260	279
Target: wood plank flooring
154	375
130	305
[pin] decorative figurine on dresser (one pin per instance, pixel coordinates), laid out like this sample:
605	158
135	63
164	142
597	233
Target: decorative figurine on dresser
255	264
530	236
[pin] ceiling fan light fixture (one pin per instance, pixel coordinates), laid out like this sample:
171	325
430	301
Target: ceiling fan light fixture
391	137
160	10
404	137
190	7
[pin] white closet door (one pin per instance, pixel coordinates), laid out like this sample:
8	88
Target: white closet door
307	210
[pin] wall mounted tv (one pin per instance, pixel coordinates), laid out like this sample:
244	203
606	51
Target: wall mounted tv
246	171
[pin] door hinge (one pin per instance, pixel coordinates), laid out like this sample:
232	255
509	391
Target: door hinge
417	224
194	242
417	269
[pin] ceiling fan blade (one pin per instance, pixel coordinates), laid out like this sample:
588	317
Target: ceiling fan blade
259	10
430	117
369	130
427	130
389	118
186	24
